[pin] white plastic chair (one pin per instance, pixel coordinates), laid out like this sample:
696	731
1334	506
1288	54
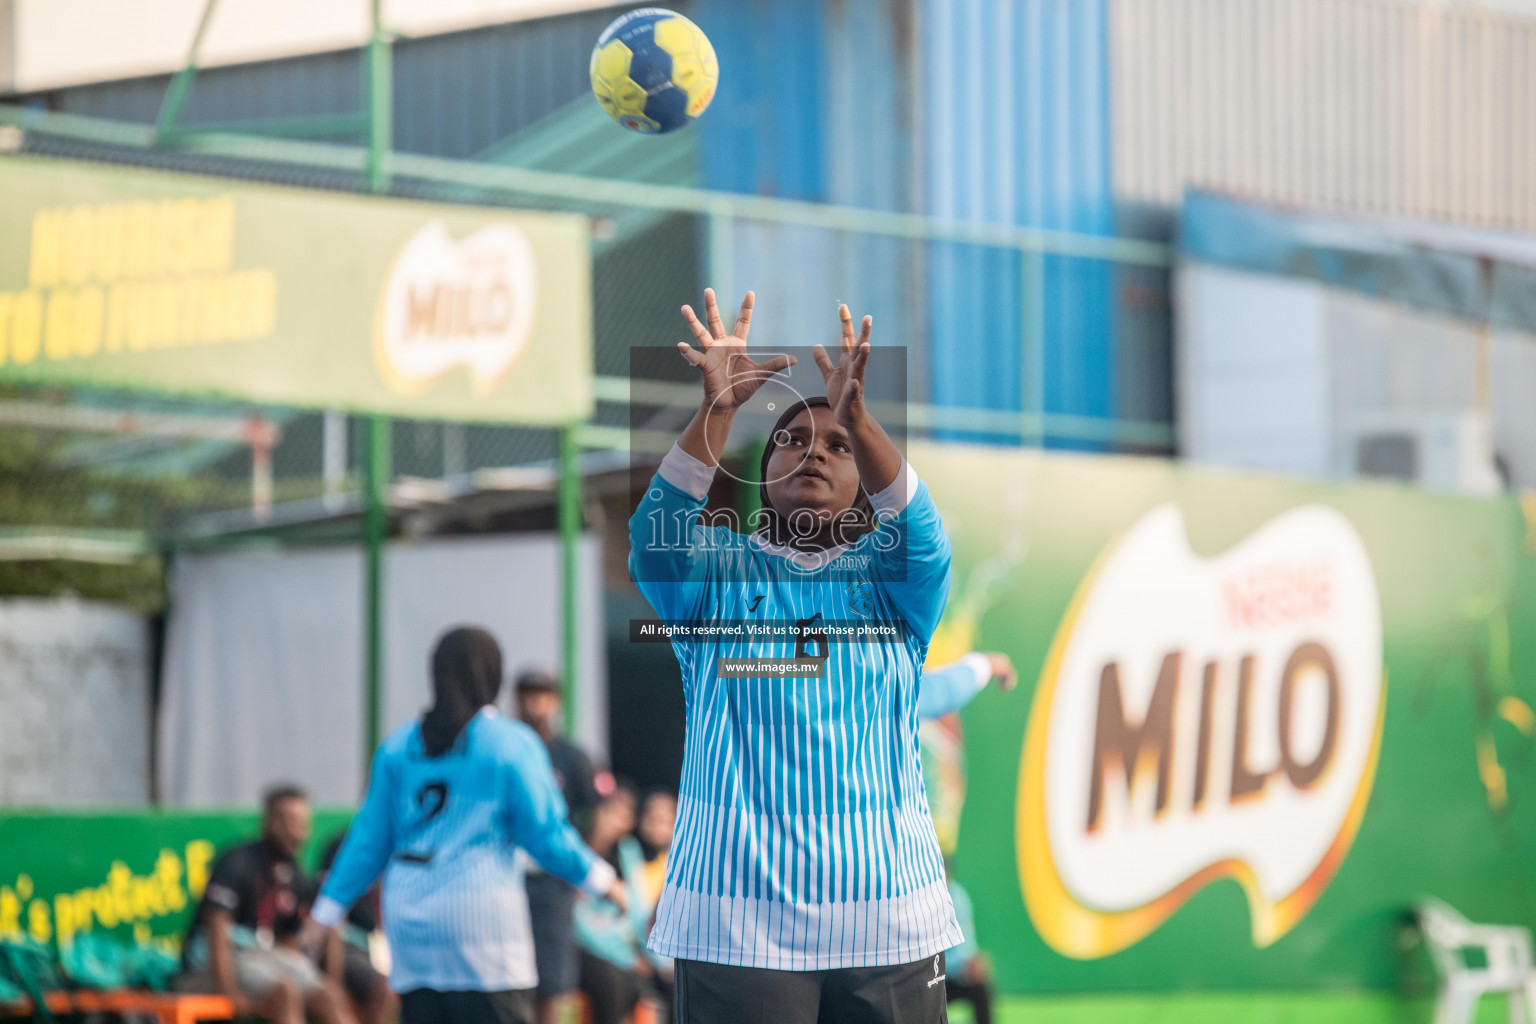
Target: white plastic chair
1508	967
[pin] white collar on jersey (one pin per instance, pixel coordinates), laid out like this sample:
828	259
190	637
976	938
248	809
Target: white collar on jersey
810	560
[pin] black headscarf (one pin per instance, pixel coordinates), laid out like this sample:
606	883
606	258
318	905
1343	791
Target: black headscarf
466	676
776	527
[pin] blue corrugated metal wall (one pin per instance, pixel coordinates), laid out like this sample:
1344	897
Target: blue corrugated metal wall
327	83
1016	131
454	95
814	103
981	110
764	129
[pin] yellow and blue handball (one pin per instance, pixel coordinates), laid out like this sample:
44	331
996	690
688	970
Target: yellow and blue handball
654	71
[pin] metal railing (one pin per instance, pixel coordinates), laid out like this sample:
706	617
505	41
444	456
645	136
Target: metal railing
724	216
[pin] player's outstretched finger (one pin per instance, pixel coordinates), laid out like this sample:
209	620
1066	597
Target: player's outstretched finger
823	360
868	325
853	397
847	319
778	363
712	314
697	328
860	360
693	355
744	318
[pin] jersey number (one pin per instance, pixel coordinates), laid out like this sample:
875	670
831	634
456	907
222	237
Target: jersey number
431	798
805	637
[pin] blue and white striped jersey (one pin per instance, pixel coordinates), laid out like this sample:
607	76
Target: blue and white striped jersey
803	838
446	832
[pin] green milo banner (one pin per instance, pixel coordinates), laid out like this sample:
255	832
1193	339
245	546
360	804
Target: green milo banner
135	876
1257	720
136	279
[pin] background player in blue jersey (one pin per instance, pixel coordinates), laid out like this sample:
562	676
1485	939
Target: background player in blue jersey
947	688
805	883
451	802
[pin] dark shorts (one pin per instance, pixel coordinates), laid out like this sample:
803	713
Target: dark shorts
611	991
551	907
429	1006
901	994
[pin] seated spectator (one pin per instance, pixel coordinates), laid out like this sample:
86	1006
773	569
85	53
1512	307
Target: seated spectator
552	901
611	939
243	941
658	819
366	981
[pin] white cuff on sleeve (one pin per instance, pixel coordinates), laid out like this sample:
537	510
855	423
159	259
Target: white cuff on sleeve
981	665
898	493
328	912
687	473
599	879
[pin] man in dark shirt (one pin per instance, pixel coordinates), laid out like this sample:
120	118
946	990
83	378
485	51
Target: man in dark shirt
551	902
243	940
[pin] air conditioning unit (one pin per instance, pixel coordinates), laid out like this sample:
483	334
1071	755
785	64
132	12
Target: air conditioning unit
1441	451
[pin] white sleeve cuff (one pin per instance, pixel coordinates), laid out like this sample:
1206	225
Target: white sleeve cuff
599	879
328	912
687	473
898	493
981	665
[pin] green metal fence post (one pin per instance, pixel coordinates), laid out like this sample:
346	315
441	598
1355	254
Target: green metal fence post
380	104
748	495
570	538
181	85
379	456
376	474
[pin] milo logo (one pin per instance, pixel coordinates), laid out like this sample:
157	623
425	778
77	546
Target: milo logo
456	305
1201	717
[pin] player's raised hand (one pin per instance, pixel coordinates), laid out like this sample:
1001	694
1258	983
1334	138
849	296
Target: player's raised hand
618	895
313	937
845	378
1003	673
729	375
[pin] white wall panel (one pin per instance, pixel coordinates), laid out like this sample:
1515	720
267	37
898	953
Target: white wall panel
1415	108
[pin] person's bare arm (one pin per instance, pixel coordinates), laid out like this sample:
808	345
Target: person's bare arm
730	377
221	958
1003	673
878	458
707	433
335	956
